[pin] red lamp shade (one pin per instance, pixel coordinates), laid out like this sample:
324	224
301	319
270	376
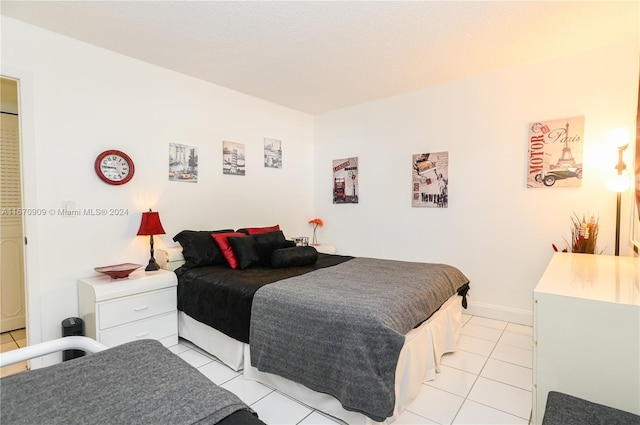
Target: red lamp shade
150	224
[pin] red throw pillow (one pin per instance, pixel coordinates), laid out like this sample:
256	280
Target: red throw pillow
225	247
258	230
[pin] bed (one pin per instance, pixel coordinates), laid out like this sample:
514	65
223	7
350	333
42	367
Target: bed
134	383
358	351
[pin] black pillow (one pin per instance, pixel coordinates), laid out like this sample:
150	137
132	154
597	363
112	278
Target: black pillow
294	257
266	243
245	250
199	249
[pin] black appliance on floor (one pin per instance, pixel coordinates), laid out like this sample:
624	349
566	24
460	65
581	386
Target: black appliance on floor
72	326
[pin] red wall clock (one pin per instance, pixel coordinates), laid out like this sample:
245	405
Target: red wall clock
114	167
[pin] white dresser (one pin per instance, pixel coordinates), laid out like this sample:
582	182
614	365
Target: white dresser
587	331
144	305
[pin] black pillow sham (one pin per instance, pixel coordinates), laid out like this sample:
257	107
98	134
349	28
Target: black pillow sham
294	257
199	249
257	230
245	250
266	243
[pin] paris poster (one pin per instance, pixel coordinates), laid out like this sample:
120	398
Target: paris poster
555	153
430	180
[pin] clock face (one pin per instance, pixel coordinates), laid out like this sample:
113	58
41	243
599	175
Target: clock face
114	167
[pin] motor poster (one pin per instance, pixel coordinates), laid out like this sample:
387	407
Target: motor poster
555	153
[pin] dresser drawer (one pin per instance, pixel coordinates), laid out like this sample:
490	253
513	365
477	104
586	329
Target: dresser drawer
136	307
158	327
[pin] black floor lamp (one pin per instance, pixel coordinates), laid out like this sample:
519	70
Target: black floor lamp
619	183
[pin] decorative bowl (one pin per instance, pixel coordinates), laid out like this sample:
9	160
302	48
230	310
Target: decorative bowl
118	271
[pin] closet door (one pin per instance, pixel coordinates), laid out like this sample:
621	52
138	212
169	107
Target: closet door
12	293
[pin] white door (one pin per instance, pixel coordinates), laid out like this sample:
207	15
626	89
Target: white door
12	288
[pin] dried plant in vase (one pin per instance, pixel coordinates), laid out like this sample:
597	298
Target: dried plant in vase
584	235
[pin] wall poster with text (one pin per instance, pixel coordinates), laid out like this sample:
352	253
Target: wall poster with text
272	153
430	180
345	181
183	163
555	153
233	158
635	231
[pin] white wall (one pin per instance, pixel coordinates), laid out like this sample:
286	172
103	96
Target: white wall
498	232
80	100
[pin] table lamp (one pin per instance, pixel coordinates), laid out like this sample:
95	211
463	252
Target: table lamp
149	226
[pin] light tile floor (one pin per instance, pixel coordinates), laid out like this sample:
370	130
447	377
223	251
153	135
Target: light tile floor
487	381
11	341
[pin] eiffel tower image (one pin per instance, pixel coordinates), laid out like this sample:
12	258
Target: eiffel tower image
566	159
565	168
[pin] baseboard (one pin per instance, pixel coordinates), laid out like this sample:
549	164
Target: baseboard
522	317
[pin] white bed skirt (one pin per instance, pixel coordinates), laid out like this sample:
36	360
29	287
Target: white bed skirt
419	360
228	350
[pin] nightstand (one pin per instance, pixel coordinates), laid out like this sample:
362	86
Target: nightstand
116	311
324	248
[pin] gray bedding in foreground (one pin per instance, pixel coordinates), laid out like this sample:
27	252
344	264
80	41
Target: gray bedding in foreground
339	330
136	383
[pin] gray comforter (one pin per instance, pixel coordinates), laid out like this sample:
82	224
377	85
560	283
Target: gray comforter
136	383
339	330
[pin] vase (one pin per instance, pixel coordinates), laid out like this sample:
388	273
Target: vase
314	240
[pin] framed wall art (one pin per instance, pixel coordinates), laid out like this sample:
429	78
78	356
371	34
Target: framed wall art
635	214
233	160
555	153
183	163
345	181
272	153
430	180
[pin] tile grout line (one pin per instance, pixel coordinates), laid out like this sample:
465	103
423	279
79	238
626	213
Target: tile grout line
300	421
477	375
500	382
480	372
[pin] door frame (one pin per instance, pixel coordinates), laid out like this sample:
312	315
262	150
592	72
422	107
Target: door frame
29	200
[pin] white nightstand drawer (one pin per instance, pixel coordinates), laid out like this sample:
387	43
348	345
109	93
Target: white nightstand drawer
140	306
136	307
154	328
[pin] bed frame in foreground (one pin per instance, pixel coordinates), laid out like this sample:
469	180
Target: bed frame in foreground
48	347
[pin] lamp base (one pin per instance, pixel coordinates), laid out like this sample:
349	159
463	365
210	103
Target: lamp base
152	266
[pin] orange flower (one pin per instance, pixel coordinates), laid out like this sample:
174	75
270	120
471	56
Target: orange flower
316	222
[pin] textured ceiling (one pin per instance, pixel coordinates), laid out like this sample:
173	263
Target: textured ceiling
316	56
